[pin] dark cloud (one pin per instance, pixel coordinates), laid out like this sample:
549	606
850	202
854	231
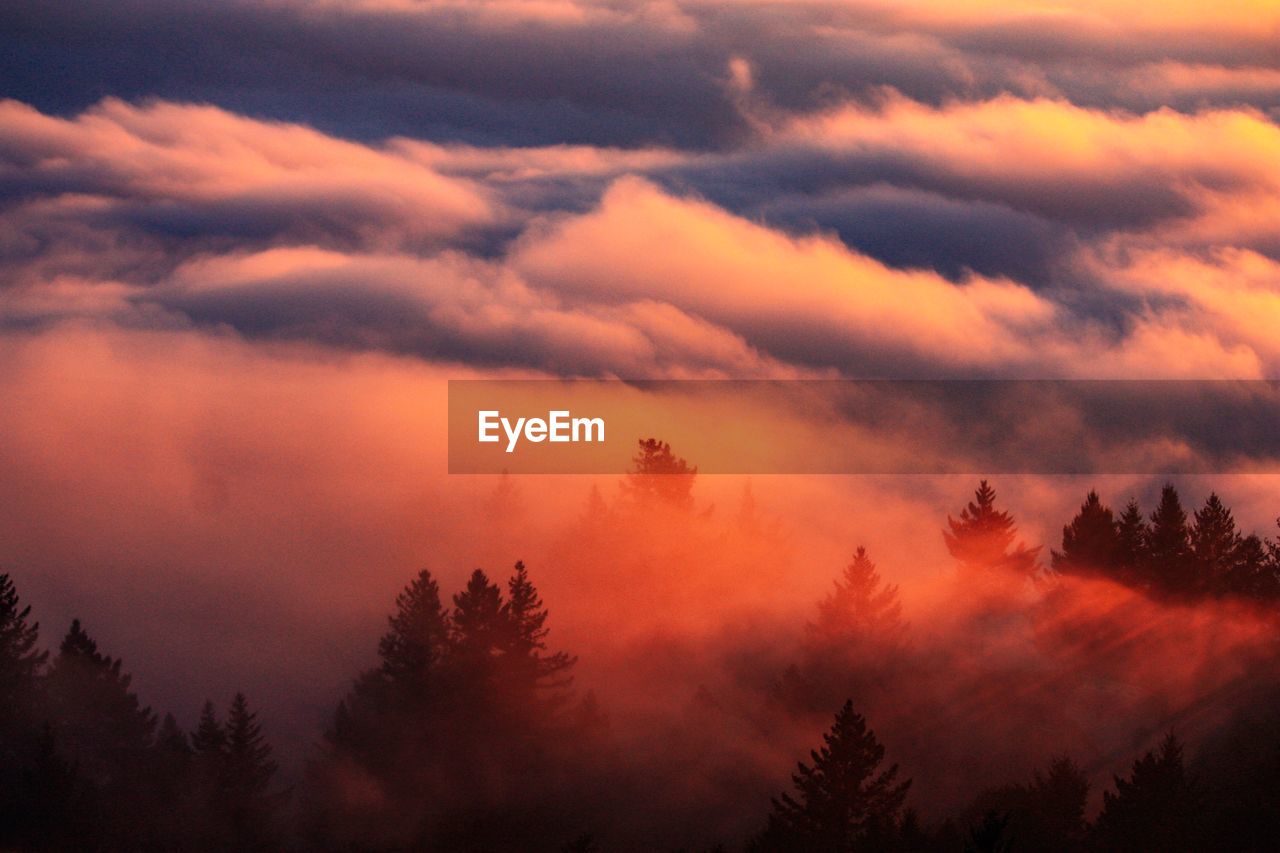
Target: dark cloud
596	73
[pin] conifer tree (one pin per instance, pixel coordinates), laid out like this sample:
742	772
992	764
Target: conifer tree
1215	546
249	771
1058	800
1170	567
843	800
97	718
233	775
1250	573
209	741
860	607
527	643
1090	543
658	476
415	642
101	729
479	619
1132	545
983	537
20	661
1156	808
597	511
209	753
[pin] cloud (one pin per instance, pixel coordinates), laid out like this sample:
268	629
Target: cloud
999	237
626	73
796	297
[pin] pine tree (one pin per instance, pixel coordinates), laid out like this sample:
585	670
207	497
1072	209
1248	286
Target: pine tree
478	624
1170	567
1059	798
1156	808
860	607
103	731
20	661
1090	543
21	744
1215	546
982	537
1046	815
1132	545
1250	573
209	739
658	476
209	751
247	802
843	800
98	719
527	643
415	642
597	511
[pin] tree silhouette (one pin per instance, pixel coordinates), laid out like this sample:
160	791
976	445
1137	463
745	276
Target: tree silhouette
860	607
1169	566
526	649
842	800
1046	815
21	741
478	624
209	741
1156	808
20	661
1251	573
1091	542
103	731
98	719
658	476
990	834
414	644
982	538
246	800
1133	540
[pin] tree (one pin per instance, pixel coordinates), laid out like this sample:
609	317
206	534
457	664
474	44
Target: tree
843	800
1215	546
248	804
1169	566
1156	808
478	623
983	537
21	664
415	643
1132	545
659	476
210	739
1058	800
20	661
1090	543
101	729
526	646
860	606
1251	573
97	718
1046	815
209	756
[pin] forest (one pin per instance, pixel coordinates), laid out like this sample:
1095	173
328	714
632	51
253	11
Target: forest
1115	692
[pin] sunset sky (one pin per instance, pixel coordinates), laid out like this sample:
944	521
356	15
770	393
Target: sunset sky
244	245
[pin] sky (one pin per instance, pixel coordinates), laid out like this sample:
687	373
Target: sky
244	244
